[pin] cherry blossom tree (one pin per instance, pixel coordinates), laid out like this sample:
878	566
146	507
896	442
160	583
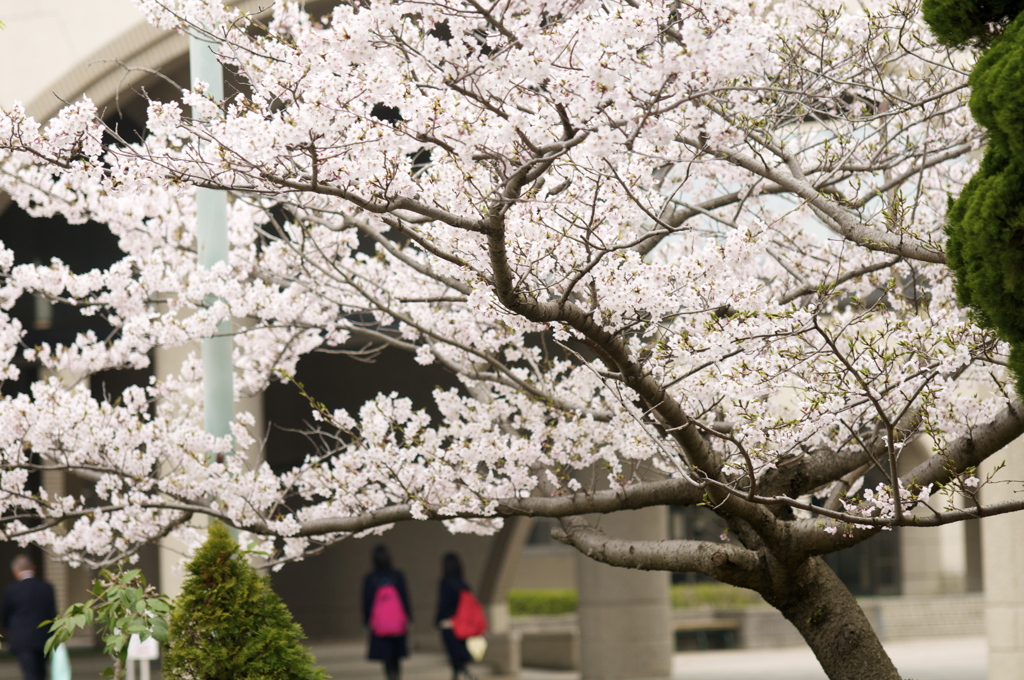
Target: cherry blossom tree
676	252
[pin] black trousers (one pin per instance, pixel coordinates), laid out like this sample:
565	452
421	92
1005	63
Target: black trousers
33	663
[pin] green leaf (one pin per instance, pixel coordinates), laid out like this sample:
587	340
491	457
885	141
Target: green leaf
159	606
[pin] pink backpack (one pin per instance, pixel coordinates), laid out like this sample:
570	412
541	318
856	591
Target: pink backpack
387	614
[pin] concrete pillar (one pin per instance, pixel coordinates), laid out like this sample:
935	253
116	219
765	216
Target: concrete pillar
1003	569
502	564
974	581
932	560
55	482
953	557
168	361
625	614
920	562
55	571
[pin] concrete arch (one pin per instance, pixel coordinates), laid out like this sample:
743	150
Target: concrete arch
118	66
501	567
94	48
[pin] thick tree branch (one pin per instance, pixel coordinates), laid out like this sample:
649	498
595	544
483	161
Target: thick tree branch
971	449
645	494
722	561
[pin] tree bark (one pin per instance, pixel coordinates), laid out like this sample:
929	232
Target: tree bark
828	617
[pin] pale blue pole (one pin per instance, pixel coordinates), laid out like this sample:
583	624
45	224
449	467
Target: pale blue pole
211	215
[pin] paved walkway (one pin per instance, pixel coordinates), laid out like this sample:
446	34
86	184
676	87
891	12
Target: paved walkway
939	658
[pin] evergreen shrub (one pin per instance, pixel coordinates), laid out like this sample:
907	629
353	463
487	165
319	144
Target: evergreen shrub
228	623
985	224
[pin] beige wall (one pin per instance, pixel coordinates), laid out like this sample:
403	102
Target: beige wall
55	51
546	567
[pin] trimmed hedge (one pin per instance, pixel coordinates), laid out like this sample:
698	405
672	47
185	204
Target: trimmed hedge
542	601
686	595
548	601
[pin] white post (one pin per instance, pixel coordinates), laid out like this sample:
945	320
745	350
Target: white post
143	652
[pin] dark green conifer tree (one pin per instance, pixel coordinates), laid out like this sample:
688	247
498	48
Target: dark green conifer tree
959	22
228	624
985	224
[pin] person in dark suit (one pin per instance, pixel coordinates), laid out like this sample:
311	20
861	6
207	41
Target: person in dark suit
27	602
389	649
452	584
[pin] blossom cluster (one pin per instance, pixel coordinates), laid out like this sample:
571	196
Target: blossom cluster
613	221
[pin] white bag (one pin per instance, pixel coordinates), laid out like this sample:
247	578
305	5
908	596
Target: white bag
477	646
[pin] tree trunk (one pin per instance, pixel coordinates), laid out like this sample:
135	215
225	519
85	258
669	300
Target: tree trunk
814	600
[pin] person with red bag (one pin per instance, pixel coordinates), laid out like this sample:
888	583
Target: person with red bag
459	616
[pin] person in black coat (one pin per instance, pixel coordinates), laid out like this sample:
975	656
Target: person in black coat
452	584
27	602
390	650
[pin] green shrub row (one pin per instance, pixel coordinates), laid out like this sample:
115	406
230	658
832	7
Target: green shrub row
542	601
716	594
533	602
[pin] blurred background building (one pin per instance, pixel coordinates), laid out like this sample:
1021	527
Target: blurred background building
917	582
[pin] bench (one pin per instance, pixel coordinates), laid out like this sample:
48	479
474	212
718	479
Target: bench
704	630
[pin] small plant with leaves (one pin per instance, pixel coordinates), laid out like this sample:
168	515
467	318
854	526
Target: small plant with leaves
122	605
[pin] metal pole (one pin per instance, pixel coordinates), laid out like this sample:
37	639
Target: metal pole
211	216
